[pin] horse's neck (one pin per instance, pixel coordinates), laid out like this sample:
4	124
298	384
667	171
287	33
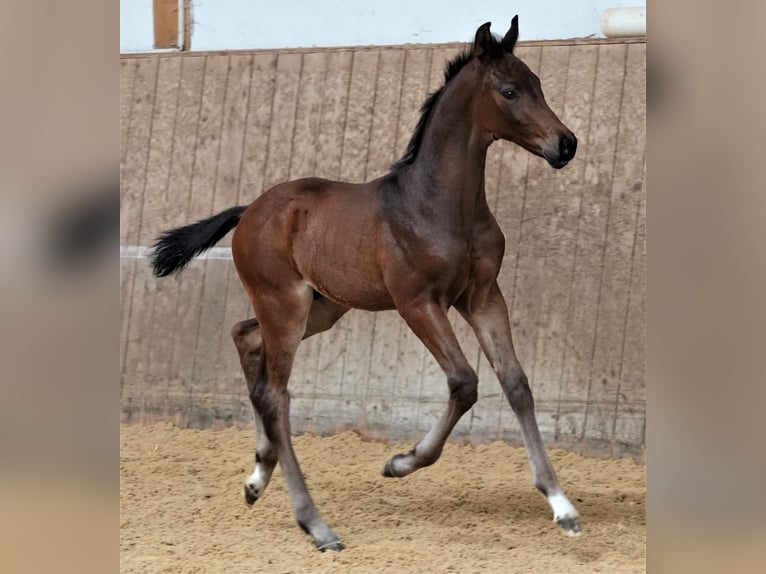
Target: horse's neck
450	165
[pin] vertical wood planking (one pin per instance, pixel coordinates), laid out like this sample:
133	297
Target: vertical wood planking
161	347
127	269
601	143
200	353
184	336
198	204
209	132
235	110
141	332
385	115
207	348
283	119
140	127
182	159
150	367
359	115
160	150
259	119
229	102
626	191
136	175
630	411
562	264
127	80
564	203
308	116
332	125
169	300
222	287
139	342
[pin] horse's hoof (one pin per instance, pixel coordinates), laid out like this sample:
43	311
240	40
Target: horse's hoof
570	526
388	468
251	495
335	545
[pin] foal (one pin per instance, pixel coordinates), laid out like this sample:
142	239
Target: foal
419	240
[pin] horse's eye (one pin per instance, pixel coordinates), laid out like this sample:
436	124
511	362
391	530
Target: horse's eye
508	94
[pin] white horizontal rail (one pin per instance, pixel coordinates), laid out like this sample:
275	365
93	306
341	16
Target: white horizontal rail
143	252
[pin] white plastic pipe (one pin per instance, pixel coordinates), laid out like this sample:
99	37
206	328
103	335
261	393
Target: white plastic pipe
624	22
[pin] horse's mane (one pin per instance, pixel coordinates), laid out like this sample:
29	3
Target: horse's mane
453	67
450	71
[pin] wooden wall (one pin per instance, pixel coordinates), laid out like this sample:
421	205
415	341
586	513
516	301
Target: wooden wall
202	132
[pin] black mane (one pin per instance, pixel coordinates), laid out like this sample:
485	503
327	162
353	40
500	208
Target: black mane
450	71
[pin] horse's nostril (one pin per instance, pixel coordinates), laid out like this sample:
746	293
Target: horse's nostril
567	147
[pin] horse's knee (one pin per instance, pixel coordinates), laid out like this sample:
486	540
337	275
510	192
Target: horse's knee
245	337
463	388
241	330
516	387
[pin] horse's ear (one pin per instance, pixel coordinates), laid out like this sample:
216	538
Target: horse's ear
483	41
509	40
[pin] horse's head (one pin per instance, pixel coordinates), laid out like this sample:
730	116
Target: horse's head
511	103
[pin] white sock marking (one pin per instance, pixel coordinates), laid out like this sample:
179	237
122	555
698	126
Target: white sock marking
561	506
258	480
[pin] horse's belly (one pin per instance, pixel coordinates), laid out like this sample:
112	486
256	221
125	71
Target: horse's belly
356	294
343	267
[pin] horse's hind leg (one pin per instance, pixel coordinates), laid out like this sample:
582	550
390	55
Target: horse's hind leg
247	338
283	324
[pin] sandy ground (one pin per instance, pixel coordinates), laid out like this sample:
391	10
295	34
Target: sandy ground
475	510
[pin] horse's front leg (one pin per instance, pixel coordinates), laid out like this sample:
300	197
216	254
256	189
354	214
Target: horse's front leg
487	314
429	322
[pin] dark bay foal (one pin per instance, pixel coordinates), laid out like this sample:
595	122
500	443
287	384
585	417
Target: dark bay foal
419	240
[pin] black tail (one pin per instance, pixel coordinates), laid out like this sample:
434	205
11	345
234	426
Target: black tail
175	248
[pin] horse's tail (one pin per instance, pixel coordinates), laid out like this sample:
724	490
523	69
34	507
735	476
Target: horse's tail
175	248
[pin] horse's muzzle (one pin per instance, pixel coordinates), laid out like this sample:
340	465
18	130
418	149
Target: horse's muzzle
567	147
